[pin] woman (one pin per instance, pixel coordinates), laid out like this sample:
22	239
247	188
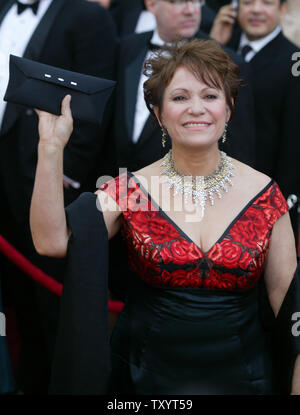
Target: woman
200	230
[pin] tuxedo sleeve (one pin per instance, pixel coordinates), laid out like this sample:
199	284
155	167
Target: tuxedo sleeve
81	363
94	42
94	50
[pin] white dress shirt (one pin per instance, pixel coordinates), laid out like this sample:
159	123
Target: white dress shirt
258	44
146	22
141	111
15	33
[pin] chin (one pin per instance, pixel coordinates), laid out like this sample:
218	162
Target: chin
199	143
257	33
187	33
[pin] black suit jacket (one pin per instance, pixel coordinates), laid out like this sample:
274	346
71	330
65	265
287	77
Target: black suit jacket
126	13
276	94
76	35
133	49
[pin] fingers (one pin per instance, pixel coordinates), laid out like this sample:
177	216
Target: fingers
65	107
228	19
228	14
41	113
230	8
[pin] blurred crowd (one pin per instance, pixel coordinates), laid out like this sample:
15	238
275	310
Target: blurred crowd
112	39
290	22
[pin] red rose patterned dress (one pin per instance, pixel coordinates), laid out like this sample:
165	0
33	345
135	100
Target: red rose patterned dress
191	323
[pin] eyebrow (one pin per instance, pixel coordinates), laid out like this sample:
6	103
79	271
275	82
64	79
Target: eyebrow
187	90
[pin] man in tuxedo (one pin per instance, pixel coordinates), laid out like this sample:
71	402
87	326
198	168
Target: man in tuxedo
137	139
132	16
276	89
75	35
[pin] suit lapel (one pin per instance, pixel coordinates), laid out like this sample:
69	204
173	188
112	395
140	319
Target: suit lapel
235	40
147	131
265	57
130	20
5	6
132	79
38	39
32	51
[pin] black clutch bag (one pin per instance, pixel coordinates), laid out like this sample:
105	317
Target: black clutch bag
40	86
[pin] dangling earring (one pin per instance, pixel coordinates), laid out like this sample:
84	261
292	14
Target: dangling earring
224	136
163	137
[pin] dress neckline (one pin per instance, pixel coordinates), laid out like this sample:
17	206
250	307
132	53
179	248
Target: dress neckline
181	231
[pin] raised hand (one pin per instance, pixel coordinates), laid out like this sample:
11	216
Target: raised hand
55	130
223	24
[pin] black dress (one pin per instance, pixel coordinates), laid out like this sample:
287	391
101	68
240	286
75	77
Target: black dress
191	322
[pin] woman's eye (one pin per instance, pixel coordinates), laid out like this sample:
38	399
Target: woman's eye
179	98
211	96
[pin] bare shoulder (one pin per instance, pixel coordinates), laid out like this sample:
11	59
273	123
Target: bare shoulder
148	174
149	171
249	178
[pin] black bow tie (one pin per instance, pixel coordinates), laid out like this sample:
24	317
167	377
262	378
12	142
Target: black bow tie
33	6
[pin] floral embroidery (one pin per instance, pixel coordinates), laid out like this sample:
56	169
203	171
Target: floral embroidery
163	256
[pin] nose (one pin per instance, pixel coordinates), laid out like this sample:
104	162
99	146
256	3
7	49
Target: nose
196	106
256	6
189	7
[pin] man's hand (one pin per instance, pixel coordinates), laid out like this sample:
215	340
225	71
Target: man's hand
55	130
223	24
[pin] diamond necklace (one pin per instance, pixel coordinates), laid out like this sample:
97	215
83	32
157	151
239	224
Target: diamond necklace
200	188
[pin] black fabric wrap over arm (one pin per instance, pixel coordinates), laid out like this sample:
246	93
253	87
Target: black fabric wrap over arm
81	363
287	344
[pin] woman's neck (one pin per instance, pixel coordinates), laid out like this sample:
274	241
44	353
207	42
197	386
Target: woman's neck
194	162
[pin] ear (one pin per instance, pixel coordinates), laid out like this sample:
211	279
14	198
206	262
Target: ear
150	5
228	113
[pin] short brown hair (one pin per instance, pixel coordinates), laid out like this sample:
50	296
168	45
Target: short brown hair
204	58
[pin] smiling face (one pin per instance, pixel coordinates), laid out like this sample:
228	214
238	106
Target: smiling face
258	18
193	112
173	22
